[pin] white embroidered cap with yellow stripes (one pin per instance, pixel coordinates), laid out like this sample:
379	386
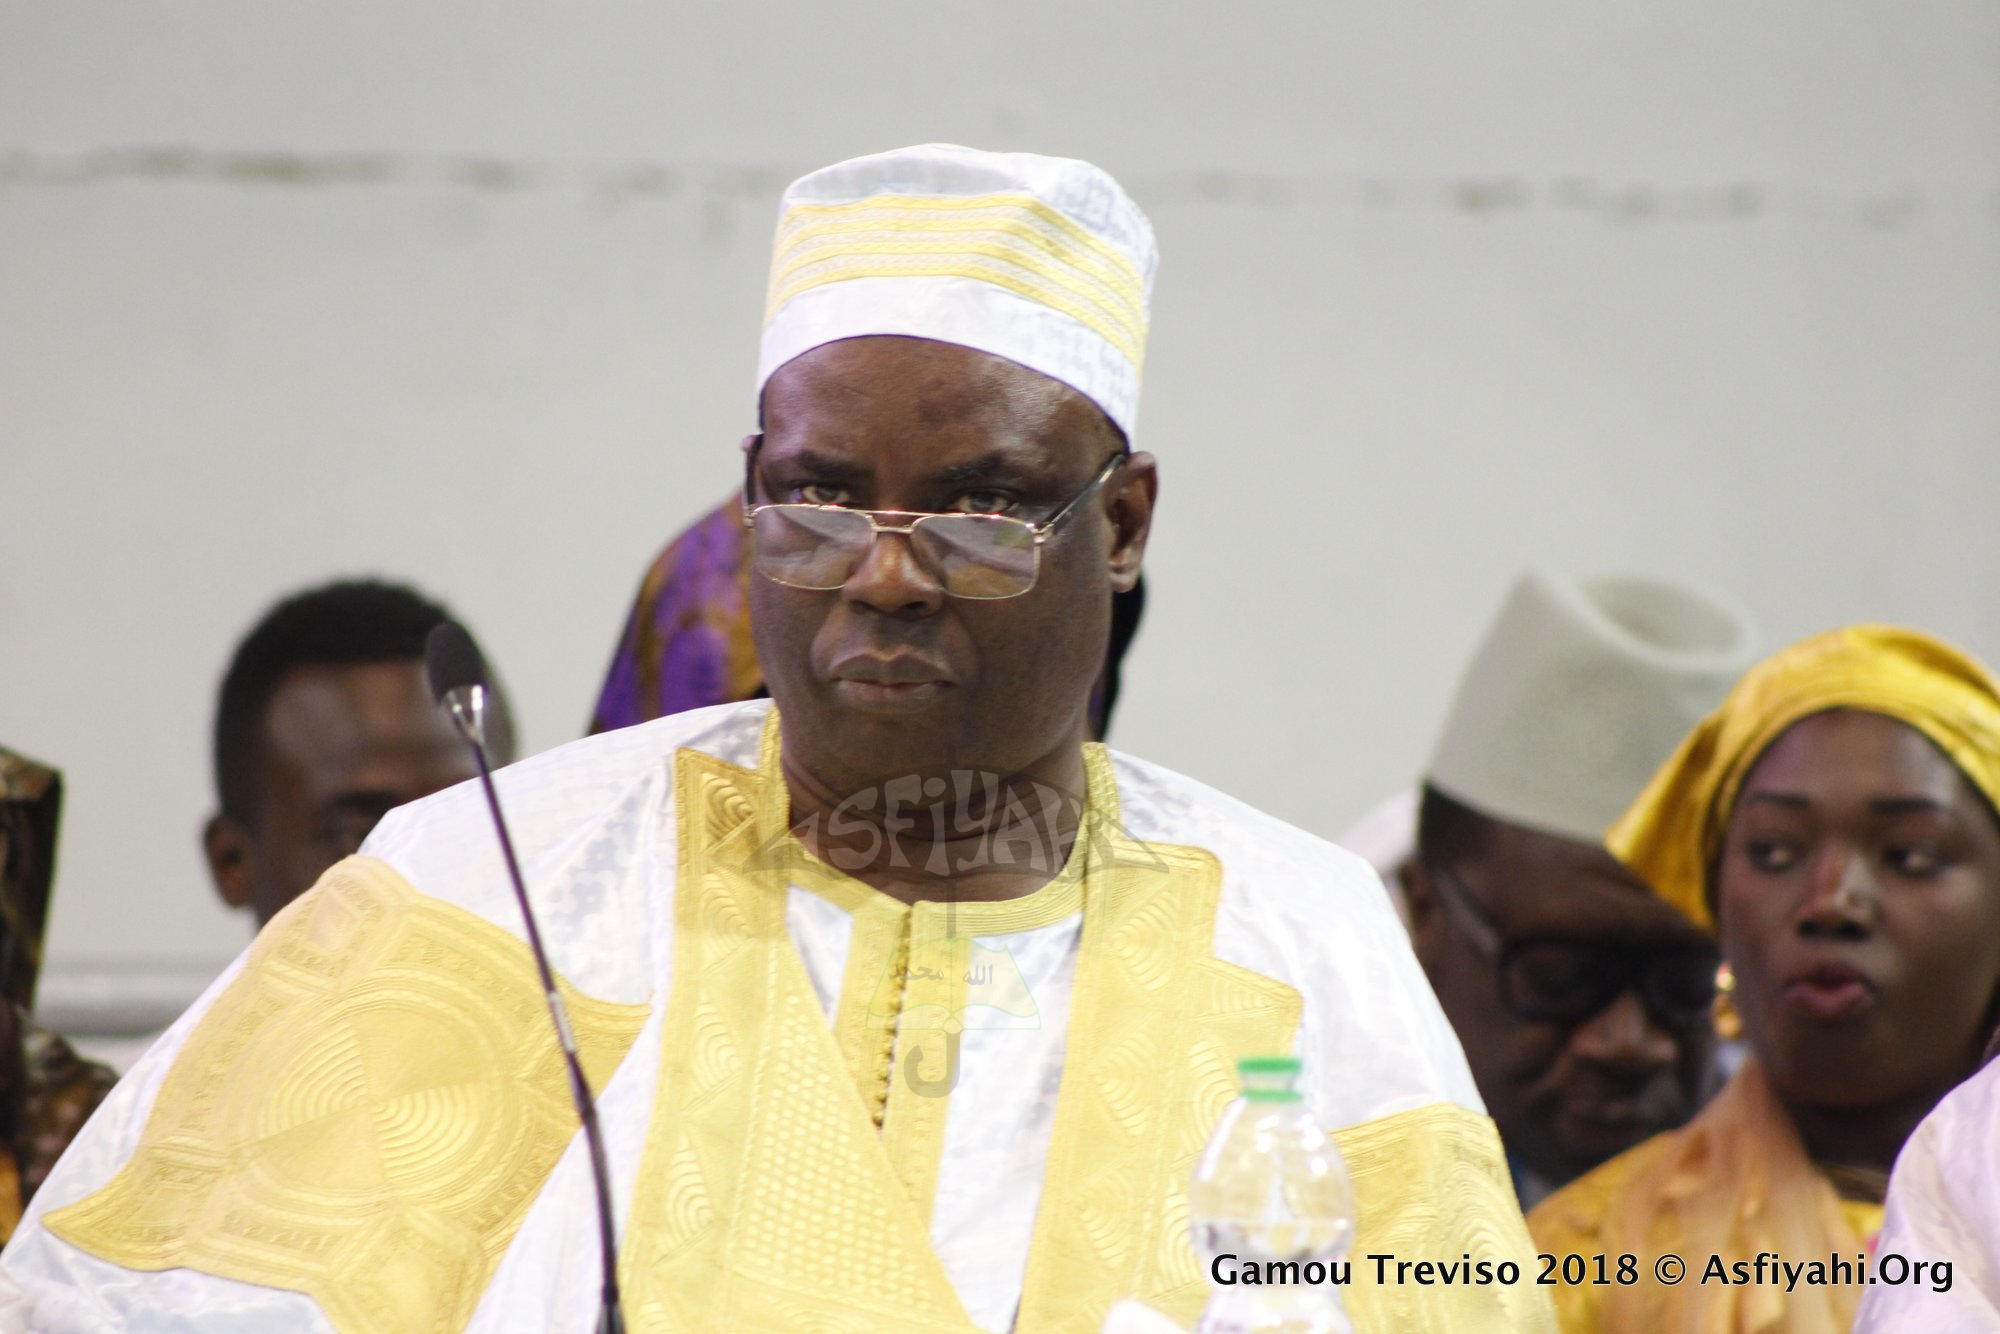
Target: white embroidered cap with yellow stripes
1042	260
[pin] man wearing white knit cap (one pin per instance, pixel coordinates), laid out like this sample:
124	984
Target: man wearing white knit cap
907	1008
1582	1001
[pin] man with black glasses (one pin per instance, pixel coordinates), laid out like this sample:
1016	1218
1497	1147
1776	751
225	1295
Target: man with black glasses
909	1007
1586	1007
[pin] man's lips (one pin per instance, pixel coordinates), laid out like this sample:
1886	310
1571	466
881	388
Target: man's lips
904	669
896	684
1829	992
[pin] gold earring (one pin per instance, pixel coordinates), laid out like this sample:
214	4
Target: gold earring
1728	1023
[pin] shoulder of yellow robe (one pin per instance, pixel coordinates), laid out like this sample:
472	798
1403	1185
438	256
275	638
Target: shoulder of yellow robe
363	983
1697	1193
363	1115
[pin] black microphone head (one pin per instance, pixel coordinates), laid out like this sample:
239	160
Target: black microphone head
451	659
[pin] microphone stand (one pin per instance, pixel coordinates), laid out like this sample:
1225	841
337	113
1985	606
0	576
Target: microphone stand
467	705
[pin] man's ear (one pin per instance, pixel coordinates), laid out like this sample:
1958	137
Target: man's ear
1129	506
1420	897
226	845
751	444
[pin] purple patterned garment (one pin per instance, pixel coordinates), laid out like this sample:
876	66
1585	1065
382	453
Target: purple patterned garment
687	642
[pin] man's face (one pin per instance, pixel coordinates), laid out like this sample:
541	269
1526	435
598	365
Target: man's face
1565	1095
888	675
339	747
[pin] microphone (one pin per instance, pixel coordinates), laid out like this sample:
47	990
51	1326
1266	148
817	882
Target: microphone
458	681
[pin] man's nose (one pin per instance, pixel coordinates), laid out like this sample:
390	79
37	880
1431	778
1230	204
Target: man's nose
1841	896
1624	1033
891	579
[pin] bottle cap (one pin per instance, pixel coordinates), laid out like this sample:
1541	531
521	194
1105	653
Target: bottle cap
1270	1078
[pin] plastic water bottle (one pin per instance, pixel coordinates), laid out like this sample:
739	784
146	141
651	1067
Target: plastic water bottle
1271	1190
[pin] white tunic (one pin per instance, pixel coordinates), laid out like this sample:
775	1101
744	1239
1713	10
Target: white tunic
1943	1206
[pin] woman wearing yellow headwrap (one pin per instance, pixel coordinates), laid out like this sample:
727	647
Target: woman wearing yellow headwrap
1835	823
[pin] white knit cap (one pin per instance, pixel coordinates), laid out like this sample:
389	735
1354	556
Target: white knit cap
1042	260
1580	690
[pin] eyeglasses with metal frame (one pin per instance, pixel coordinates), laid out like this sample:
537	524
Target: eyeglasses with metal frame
977	556
1556	979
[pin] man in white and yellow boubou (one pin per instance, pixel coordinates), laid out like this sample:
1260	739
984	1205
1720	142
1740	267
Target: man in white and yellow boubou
907	1009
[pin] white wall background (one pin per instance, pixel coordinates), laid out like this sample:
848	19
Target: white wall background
468	293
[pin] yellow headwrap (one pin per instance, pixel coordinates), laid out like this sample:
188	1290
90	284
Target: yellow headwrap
1671	833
